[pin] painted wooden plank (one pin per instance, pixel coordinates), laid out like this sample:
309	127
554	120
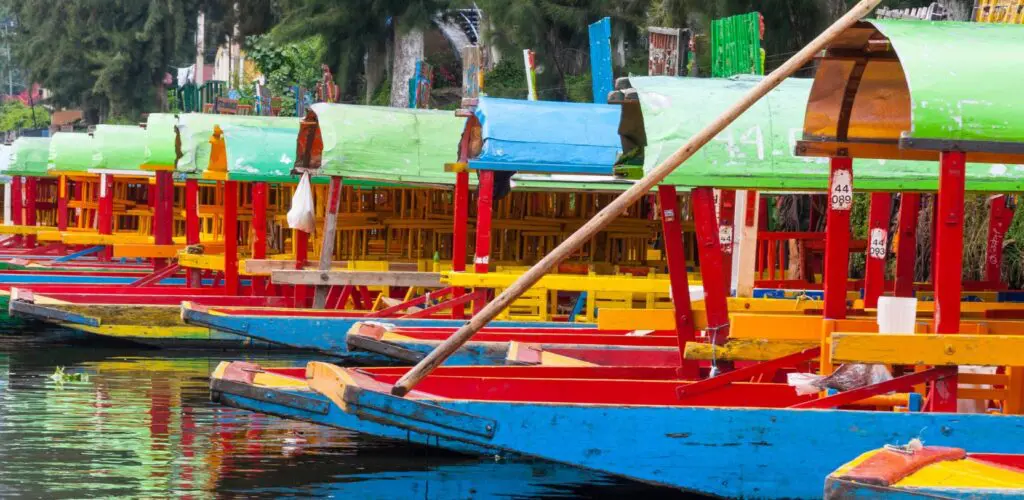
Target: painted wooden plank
213	262
263	267
145	250
21	229
29	310
928	349
562	282
367	278
746	349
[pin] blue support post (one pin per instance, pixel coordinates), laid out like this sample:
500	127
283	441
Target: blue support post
601	59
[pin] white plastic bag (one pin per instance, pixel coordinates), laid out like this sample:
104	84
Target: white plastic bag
302	215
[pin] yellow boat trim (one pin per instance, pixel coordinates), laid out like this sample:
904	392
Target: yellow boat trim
149	332
928	349
966	473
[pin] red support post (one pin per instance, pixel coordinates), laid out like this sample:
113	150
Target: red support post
17	206
163	213
675	255
999	218
259	225
194	276
716	302
948	265
837	236
906	246
31	191
62	203
484	209
935	232
231	237
300	242
105	212
726	220
878	244
459	235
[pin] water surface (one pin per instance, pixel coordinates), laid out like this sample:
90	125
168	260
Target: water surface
142	425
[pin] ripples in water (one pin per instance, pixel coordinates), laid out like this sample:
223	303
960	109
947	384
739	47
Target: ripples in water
142	425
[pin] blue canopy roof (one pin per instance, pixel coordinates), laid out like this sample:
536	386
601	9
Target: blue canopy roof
547	137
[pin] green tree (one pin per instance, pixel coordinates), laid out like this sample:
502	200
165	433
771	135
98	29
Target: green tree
14	115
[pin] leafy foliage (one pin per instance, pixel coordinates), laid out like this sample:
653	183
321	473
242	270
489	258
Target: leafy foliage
14	115
284	65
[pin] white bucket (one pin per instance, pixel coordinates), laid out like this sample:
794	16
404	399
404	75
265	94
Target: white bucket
896	314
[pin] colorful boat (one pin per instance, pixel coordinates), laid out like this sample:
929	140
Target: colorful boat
744	432
918	471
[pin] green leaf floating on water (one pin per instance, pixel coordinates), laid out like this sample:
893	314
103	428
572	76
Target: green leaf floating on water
60	376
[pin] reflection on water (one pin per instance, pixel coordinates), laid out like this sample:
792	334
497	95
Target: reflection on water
142	425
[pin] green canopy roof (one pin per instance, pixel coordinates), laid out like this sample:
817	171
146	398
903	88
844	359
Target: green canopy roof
195	129
159	143
29	157
119	147
758	149
260	152
71	152
400	146
909	90
388	144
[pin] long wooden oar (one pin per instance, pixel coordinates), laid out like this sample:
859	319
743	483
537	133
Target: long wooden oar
627	198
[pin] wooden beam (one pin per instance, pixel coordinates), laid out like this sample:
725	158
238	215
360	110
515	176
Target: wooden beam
327	247
367	278
147	251
928	349
746	349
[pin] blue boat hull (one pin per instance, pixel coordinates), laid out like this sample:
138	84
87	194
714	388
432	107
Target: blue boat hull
329	335
759	453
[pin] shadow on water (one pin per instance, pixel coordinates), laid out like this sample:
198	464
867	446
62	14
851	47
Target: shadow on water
142	425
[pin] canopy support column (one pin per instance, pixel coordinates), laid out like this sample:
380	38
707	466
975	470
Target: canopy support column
716	303
906	246
259	226
163	213
193	276
837	236
746	261
105	213
300	244
231	283
17	204
949	254
878	244
999	218
459	234
62	203
675	256
327	246
31	192
7	204
484	208
726	216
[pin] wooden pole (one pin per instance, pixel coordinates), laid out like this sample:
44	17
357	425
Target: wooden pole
259	226
231	282
459	233
300	244
621	203
62	203
878	238
17	206
999	218
746	242
726	221
716	289
906	247
837	237
105	212
194	276
949	256
675	256
484	214
327	247
163	213
31	192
